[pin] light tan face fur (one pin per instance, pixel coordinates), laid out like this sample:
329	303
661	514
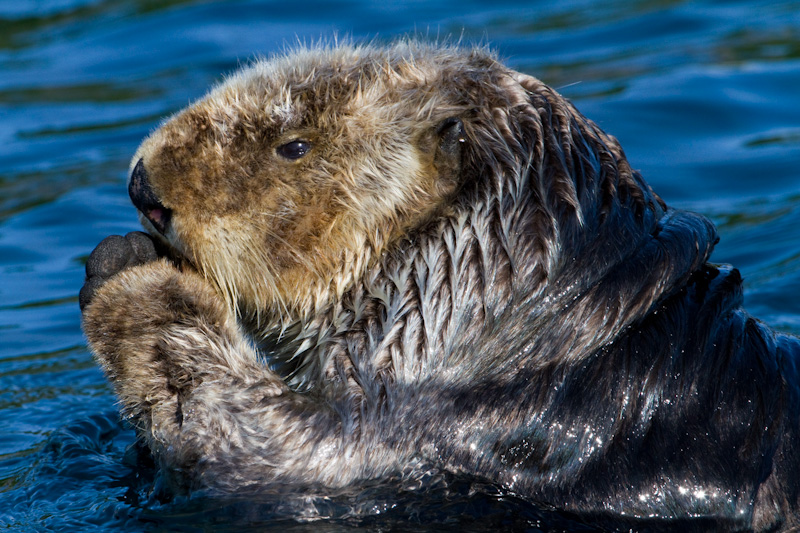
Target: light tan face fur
278	235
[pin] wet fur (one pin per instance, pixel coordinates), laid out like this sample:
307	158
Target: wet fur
533	314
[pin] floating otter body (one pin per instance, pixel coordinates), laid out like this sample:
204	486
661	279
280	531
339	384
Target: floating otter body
385	257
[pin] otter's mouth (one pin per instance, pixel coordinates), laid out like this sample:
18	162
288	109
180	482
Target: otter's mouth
146	200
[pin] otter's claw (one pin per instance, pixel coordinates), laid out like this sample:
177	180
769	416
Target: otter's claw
114	254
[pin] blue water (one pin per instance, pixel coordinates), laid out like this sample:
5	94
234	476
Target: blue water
703	96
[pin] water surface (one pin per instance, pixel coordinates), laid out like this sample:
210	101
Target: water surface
702	95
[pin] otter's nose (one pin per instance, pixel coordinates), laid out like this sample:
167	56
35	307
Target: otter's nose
146	200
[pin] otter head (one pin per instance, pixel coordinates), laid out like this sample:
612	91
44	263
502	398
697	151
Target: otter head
286	182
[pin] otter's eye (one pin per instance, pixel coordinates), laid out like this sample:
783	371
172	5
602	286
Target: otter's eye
294	150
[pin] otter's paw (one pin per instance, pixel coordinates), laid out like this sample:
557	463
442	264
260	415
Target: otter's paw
159	333
114	254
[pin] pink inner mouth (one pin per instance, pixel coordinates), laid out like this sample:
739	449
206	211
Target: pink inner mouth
159	217
155	215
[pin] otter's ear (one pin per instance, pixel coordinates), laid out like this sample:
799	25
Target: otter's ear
447	158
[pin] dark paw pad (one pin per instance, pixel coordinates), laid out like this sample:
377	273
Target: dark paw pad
114	254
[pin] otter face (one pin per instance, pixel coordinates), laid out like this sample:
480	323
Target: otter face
286	182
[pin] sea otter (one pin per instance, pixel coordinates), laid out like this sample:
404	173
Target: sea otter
367	258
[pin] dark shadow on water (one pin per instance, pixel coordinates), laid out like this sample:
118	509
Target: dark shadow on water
456	504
